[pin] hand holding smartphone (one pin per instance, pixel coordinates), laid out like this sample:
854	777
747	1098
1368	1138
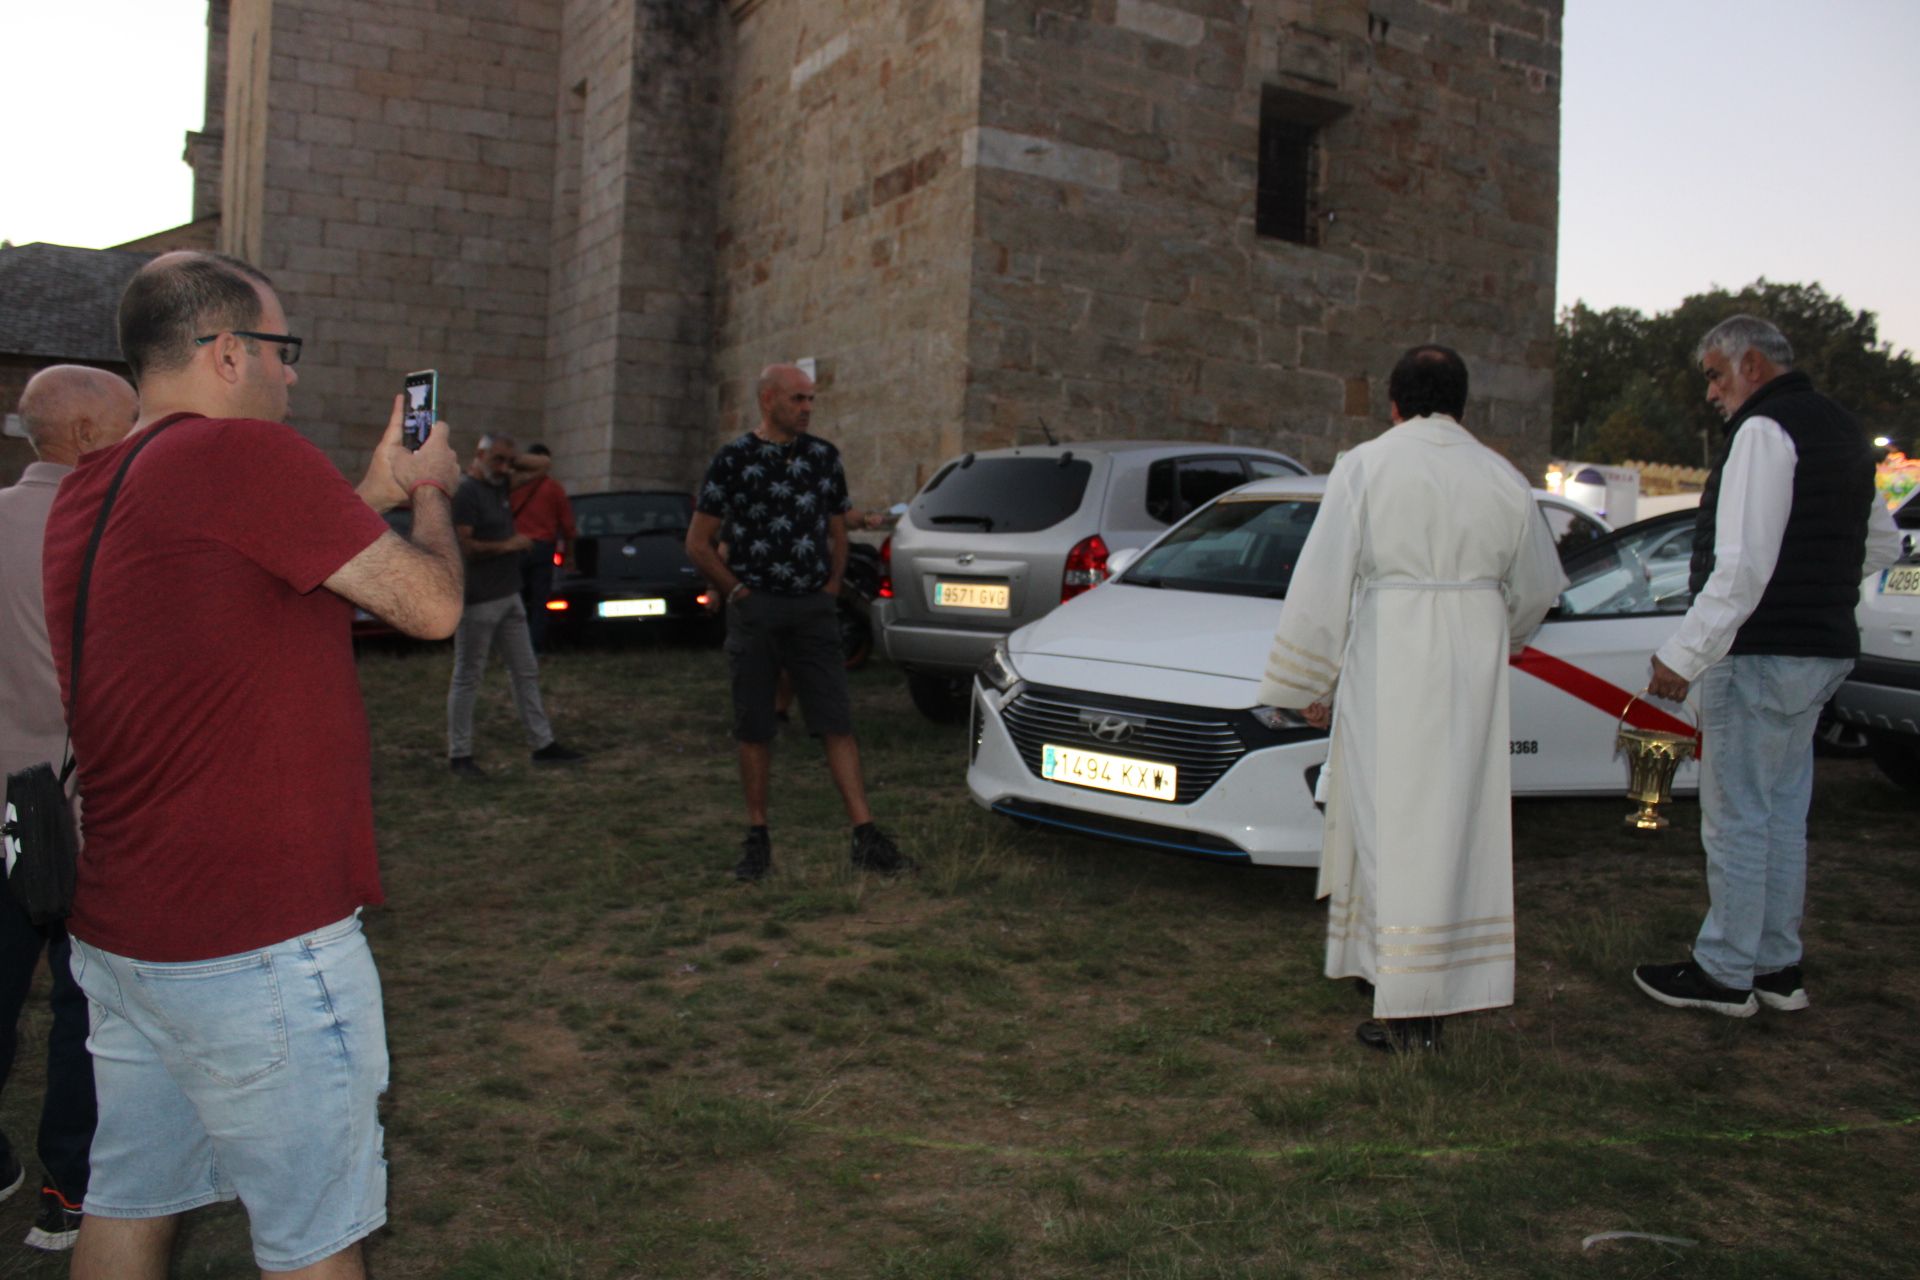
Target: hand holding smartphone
422	408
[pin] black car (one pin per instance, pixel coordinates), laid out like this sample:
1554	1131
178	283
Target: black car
630	565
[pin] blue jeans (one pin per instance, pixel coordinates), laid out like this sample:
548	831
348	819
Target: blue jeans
255	1075
1757	715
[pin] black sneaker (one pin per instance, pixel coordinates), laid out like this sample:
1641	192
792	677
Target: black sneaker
464	767
873	851
56	1226
13	1175
554	753
1781	990
756	857
1400	1035
1687	986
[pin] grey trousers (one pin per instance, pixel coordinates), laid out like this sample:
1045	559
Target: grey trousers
503	620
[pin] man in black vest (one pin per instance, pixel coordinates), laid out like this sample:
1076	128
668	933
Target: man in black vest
1789	524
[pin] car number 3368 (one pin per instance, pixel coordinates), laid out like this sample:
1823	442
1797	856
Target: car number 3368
1523	747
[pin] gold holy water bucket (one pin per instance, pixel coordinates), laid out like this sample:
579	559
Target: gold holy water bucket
1653	756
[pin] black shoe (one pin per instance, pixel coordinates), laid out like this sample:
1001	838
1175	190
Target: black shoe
1400	1035
756	857
464	767
13	1175
1687	986
56	1226
873	851
554	753
1781	990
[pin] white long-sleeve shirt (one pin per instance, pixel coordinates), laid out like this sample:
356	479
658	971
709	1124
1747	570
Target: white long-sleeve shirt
1750	520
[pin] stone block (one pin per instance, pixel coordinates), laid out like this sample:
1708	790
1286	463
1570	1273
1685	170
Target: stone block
1040	158
1160	22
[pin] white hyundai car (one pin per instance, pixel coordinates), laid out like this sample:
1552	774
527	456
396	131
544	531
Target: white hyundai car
1129	712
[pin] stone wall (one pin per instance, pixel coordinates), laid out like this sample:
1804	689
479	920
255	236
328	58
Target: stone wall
404	197
845	224
1119	286
638	138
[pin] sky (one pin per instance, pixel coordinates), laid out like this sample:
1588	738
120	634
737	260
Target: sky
1703	142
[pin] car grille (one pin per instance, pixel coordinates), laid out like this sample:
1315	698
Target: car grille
1201	744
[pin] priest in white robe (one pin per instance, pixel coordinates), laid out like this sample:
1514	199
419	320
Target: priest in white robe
1427	566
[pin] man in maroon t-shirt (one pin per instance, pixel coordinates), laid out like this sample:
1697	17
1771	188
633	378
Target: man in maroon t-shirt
542	514
238	1037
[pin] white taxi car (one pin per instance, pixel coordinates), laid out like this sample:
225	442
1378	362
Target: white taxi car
1129	712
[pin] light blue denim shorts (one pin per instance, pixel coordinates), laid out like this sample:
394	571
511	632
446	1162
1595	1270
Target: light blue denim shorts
256	1075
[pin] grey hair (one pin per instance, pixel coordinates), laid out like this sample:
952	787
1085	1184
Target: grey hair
491	439
1735	335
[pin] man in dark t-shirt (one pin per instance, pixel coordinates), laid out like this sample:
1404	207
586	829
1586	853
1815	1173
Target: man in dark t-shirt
483	519
778	498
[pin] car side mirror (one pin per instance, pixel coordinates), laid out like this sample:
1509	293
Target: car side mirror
1119	561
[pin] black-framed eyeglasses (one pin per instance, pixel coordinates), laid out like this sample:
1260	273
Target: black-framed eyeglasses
288	344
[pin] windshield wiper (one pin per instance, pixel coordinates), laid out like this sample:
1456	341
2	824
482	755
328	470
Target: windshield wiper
985	522
1144	582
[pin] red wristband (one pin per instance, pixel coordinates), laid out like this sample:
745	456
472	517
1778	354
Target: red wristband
428	484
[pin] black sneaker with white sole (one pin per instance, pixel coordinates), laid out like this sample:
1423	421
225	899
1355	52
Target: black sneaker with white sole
1687	986
57	1225
1781	989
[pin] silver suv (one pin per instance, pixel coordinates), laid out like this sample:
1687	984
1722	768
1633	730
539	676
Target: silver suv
998	538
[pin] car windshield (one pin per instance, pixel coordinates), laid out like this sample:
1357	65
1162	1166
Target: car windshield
1003	495
623	515
1243	546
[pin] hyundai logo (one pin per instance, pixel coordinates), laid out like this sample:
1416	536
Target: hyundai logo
1110	728
966	557
629	550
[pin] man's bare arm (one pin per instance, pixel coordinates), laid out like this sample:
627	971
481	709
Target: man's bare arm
474	549
417	586
703	539
837	561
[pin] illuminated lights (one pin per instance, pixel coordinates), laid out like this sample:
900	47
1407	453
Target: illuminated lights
1086	567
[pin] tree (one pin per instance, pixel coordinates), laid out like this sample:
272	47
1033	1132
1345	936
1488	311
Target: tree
1626	386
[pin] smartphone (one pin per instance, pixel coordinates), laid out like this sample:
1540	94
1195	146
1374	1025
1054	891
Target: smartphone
422	408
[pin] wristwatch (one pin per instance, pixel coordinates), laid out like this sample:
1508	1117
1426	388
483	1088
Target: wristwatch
734	594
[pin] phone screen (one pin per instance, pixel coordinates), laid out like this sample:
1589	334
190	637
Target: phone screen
422	408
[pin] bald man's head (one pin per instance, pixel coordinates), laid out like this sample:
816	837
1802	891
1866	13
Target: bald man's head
786	401
70	409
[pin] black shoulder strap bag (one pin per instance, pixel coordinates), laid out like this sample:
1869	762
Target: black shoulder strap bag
42	845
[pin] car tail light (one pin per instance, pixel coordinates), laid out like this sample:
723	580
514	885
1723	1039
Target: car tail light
886	569
559	558
704	599
556	606
1086	567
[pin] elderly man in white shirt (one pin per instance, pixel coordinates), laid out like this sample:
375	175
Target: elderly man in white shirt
1789	524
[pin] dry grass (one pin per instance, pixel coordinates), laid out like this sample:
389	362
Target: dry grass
1051	1057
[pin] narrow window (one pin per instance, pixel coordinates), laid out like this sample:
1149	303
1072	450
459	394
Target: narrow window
1291	125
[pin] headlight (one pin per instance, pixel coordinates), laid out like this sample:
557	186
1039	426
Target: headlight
997	671
1279	718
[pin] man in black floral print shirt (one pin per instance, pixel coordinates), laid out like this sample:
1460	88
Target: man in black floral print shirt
778	499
